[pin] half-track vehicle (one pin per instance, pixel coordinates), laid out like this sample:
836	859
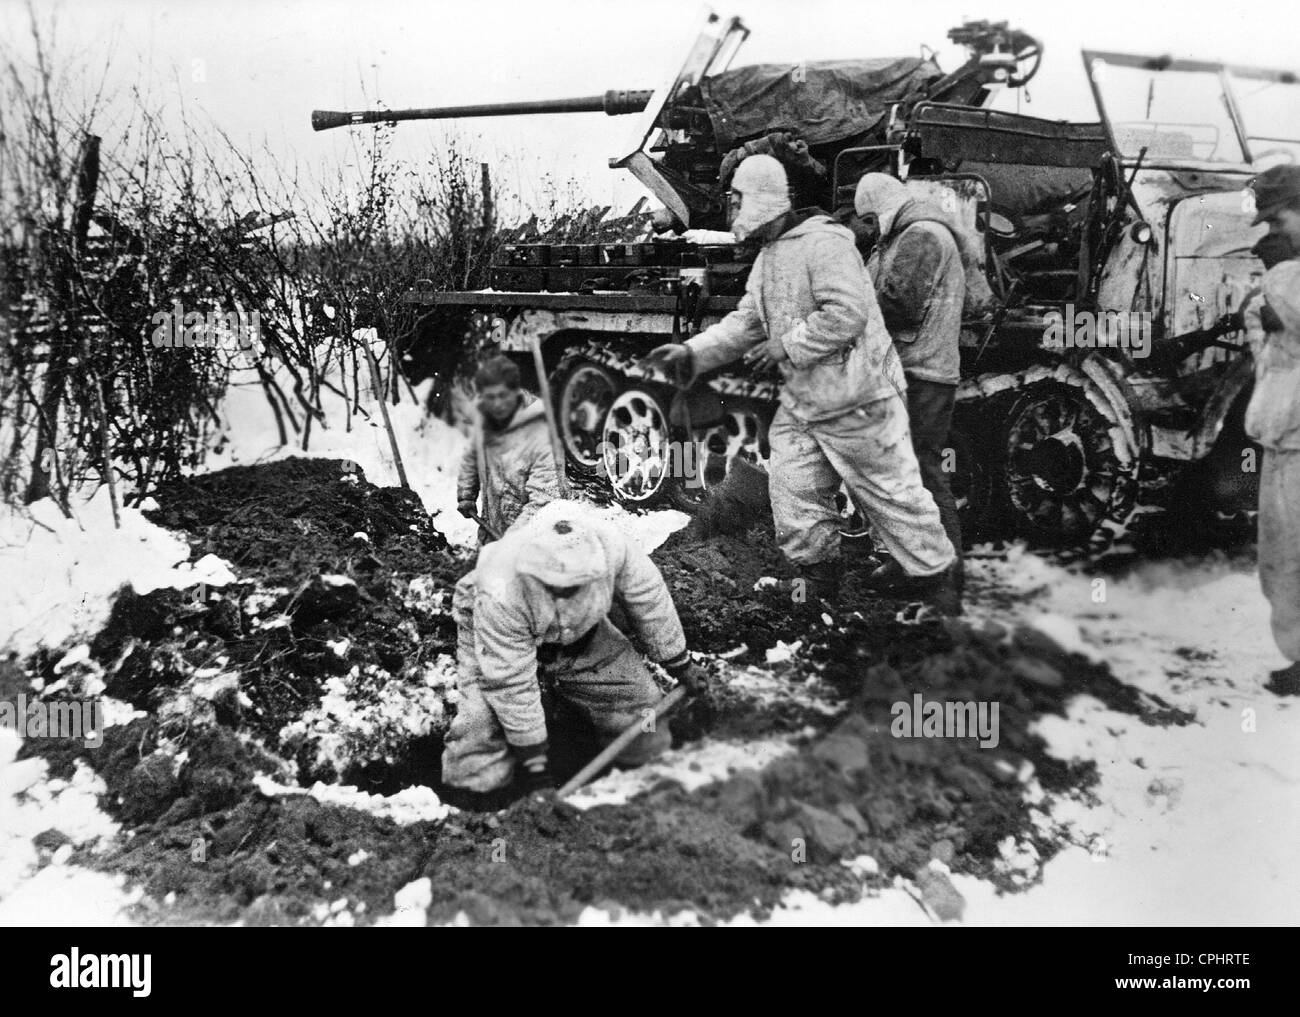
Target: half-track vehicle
1106	379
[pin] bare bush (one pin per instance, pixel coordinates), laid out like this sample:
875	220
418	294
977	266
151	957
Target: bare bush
129	265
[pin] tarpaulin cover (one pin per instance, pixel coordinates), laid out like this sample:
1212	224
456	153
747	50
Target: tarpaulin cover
1018	189
827	101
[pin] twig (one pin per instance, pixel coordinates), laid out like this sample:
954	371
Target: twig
383	409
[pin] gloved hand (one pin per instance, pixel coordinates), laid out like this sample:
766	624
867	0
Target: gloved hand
467	509
675	360
689	674
767	354
534	772
1268	318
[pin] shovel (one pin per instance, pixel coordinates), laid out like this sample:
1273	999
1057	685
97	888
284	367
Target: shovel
630	734
486	528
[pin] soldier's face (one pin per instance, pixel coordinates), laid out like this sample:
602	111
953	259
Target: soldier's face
1273	248
498	401
1285	222
734	200
866	231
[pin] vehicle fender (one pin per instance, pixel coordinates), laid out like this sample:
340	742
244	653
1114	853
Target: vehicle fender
1231	386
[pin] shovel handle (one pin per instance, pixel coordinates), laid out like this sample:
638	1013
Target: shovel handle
548	407
486	528
633	730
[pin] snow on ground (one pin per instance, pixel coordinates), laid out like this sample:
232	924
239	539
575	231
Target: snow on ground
60	577
410	805
1189	825
60	574
32	805
1195	824
692	767
1192	824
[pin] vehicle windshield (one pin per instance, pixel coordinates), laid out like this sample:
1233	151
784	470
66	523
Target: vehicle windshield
1180	112
1270	109
1196	111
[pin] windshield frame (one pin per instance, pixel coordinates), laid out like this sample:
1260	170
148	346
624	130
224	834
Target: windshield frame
1223	73
715	44
1240	74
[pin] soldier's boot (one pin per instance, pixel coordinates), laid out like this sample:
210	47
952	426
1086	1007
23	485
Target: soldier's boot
888	577
943	591
817	585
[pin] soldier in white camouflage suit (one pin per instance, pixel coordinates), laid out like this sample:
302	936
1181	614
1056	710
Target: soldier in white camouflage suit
810	309
546	590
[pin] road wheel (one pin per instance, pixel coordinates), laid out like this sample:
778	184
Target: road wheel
584	394
741	434
1067	484
637	446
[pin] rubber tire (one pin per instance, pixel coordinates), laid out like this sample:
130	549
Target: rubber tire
559	379
662	398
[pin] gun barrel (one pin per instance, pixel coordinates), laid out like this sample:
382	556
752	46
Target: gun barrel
615	102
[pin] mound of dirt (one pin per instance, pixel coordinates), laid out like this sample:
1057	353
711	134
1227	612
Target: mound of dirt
336	646
274	861
904	800
737	845
151	781
282	521
264	861
713	579
330	660
667	851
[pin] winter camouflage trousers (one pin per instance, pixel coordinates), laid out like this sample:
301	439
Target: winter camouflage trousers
607	684
1279	546
870	449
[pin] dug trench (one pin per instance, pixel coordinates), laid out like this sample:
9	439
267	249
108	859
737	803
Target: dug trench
329	661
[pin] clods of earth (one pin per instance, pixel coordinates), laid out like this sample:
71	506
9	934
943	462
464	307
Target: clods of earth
281	765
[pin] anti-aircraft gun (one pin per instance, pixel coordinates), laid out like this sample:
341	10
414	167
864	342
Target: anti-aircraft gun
1117	250
692	132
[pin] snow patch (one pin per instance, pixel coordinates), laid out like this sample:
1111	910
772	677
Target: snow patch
32	804
61	574
691	766
410	805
